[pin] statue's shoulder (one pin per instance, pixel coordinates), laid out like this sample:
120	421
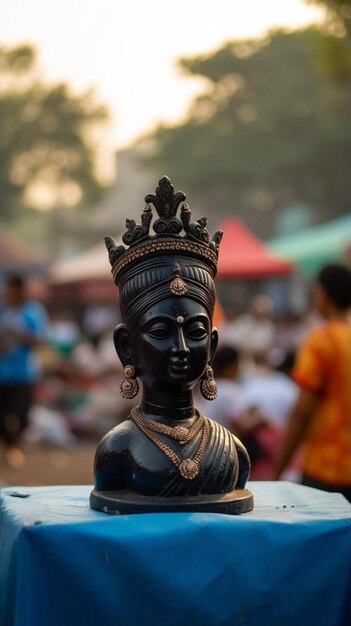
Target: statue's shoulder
219	435
217	427
217	430
117	439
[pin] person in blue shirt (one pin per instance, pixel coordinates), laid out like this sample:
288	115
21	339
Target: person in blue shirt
23	326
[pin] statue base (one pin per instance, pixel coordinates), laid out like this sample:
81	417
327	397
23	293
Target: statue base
128	502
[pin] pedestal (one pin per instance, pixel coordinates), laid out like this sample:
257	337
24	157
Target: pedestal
235	502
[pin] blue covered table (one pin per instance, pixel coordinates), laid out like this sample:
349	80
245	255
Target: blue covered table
287	562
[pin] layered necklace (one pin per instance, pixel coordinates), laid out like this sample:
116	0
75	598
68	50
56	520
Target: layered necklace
188	468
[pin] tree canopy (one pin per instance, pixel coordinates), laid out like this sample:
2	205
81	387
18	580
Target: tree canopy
270	130
46	153
339	12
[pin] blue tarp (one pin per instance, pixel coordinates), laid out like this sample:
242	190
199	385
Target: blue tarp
287	562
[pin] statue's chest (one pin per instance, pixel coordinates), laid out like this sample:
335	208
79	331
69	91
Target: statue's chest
171	469
151	467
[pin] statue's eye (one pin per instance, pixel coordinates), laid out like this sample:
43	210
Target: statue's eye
159	332
197	332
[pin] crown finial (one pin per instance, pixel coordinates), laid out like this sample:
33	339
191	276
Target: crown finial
166	203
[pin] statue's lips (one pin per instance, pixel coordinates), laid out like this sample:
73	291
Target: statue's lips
179	367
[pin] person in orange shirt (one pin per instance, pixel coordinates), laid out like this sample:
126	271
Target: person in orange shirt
321	419
218	315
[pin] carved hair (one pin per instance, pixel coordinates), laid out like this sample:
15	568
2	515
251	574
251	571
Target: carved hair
152	281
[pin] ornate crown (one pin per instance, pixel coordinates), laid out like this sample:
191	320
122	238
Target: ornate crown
167	239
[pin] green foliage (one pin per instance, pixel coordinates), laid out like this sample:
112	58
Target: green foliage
270	130
338	13
335	52
16	60
45	147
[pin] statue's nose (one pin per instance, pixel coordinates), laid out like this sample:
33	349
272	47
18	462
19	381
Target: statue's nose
180	346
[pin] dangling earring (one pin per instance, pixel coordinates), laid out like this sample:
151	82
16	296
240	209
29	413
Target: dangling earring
129	386
208	386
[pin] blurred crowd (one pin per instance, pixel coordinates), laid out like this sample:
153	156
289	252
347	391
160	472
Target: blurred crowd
59	378
253	369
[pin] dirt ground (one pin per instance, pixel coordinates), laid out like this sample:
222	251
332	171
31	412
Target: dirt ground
51	466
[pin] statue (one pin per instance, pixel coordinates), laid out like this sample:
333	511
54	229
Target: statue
166	456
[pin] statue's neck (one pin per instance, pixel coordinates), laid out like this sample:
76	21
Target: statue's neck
161	404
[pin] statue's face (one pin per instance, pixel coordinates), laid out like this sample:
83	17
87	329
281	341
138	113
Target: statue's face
171	343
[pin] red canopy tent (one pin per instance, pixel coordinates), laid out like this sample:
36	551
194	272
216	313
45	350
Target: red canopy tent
242	255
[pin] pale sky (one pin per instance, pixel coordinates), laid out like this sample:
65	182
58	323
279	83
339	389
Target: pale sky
127	49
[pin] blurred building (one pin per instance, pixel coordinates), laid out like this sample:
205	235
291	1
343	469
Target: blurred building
125	198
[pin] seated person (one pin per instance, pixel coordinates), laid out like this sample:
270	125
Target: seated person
230	402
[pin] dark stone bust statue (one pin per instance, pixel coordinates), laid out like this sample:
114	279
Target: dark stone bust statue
166	456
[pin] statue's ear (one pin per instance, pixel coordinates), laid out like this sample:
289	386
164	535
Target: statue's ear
121	339
214	342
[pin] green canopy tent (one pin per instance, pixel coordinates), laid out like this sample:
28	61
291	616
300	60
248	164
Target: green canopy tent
314	247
